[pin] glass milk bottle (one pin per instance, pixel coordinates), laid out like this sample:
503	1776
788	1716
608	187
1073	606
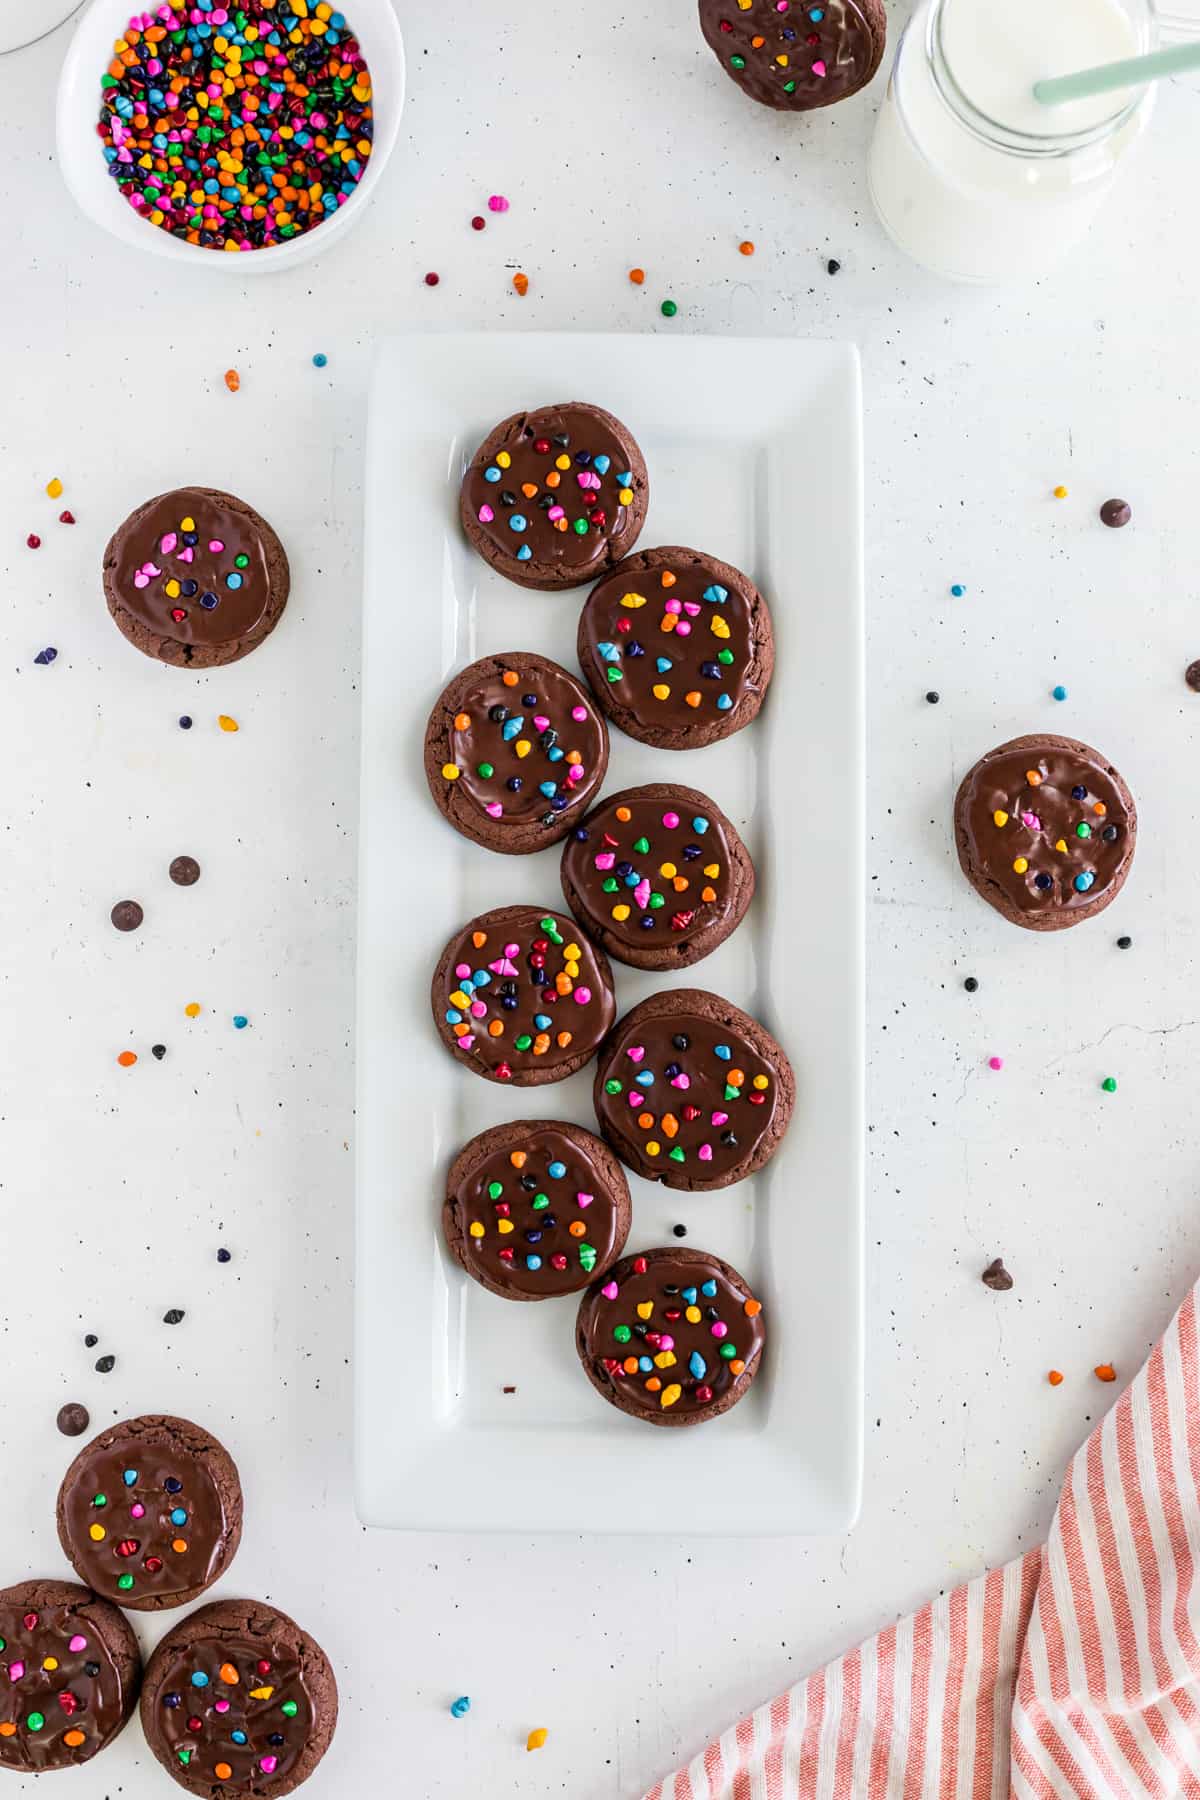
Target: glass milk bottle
969	173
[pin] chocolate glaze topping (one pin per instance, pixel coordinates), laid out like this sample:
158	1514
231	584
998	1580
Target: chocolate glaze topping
80	1700
235	1704
137	1511
191	569
795	56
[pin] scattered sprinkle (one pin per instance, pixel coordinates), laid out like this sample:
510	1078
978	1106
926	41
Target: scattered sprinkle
34	541
521	283
462	1706
66	517
479	223
997	1277
54	488
1104	1372
995	1062
971	984
105	1365
933	696
320	360
1109	1084
46	656
185	722
1116	513
957	589
127	1059
233	380
226	723
432	279
668	309
1059	692
1055	1378
537	1738
508	1390
832	266
193	1009
637	276
679	1230
73	1419
1060	492
1124	943
240	1021
224	1256
746	247
158	1051
127	915
91	1340
497	203
174	1316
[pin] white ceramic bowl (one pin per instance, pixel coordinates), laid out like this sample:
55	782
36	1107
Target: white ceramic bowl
81	155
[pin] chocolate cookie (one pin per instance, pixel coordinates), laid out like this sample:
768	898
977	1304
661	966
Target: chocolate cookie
522	996
238	1700
535	1208
658	876
554	497
196	578
678	648
150	1512
515	750
70	1669
692	1092
795	55
1046	830
671	1336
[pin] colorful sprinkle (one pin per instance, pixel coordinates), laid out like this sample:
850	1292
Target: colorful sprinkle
958	590
226	723
432	279
46	656
1059	692
746	247
497	203
995	1062
1109	1084
1104	1372
537	1738
320	360
1060	492
521	282
1055	1378
637	276
54	488
668	309
240	1021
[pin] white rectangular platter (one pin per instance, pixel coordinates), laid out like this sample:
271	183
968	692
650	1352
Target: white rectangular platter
754	453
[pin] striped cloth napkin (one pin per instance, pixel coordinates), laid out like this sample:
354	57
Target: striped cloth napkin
1072	1672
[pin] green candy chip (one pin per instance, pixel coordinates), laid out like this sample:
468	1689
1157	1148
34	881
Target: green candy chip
612	1087
622	1333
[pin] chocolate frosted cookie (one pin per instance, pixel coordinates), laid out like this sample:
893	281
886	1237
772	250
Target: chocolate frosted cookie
515	750
150	1512
522	996
678	648
238	1700
692	1092
69	1675
657	875
196	578
1046	830
671	1336
554	497
795	55
535	1208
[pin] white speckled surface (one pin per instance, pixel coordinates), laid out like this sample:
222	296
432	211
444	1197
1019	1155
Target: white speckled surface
619	142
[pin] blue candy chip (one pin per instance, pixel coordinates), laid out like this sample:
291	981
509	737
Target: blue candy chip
697	1365
716	593
491	474
129	1477
557	1169
663	663
512	728
689	1296
700	825
524	553
645	1078
723	1051
723	703
601	464
518	522
708	1289
549	788
543	1021
533	1262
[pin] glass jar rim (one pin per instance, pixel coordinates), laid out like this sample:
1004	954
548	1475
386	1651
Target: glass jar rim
993	132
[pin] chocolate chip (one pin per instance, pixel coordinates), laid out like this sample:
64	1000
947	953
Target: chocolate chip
158	1051
1192	677
184	871
1124	943
933	696
91	1669
1116	513
508	1390
224	1256
832	266
679	1230
174	1316
127	915
681	1040
997	1277
91	1340
971	985
73	1419
105	1365
185	724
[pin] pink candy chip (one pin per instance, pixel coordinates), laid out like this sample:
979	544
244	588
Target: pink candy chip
636	1052
486	515
670	820
705	1153
15	1671
720	1329
818	67
610	1290
168	543
540	722
494	810
462	970
268	1764
579	714
692	608
720	1118
497	203
673	606
683	629
681	1081
216	545
479	1009
77	1644
605	859
582	1200
582	995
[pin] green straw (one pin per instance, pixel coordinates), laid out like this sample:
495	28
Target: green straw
1132	72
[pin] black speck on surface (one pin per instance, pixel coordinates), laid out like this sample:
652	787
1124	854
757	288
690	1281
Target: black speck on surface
971	984
91	1340
105	1365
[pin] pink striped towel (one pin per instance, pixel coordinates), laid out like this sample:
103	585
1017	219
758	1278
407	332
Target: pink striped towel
1072	1672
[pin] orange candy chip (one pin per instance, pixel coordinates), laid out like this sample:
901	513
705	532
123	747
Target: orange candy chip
73	1739
1055	1378
521	283
1104	1372
233	380
228	1674
127	1059
637	276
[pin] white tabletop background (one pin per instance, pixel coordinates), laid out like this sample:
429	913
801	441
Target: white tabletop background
619	142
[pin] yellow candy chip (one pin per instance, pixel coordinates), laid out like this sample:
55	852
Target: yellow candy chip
523	747
661	691
693	1315
645	1308
620	913
187	524
668	869
50	1663
665	1359
626	496
458	998
97	1533
562	462
537	1738
761	1082
54	489
652	1147
718	627
633	601
1061	847
172	590
712	870
1020	866
226	723
670	1394
504	1226
1000	819
572	952
193	1009
504	460
262	1693
782	61
450	771
477	1230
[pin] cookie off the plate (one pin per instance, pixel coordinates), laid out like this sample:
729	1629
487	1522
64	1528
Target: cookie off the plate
1045	830
795	55
515	751
657	875
678	647
70	1670
556	496
535	1208
673	1336
691	1091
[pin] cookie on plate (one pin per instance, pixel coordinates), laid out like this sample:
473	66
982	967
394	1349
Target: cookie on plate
657	875
795	55
673	1337
150	1512
70	1669
535	1208
238	1699
678	647
521	995
515	751
1045	830
554	497
196	578
692	1092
